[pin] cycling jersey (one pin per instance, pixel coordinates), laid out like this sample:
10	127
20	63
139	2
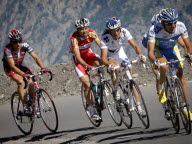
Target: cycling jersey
165	42
115	47
84	46
17	56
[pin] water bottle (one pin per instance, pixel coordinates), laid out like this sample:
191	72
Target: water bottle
96	91
173	71
28	99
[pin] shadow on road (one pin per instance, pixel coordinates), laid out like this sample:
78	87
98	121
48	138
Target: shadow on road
137	135
142	135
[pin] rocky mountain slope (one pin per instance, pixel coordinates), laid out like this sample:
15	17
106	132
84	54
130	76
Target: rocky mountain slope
66	83
47	24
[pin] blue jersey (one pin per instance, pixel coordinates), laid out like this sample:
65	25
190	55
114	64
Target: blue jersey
165	40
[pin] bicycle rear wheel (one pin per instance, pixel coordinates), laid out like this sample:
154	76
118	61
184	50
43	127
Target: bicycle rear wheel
124	108
95	123
111	103
182	102
47	110
171	106
141	105
23	122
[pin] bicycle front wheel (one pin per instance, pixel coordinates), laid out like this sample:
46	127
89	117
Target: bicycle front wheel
139	104
23	122
47	110
124	107
182	104
171	106
95	123
111	104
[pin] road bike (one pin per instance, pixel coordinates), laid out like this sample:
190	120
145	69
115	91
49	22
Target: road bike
131	96
102	96
176	99
41	104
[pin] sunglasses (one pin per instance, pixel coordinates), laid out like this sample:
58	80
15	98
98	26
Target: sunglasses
170	23
15	42
116	30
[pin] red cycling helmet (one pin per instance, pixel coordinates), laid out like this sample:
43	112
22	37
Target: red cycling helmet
15	35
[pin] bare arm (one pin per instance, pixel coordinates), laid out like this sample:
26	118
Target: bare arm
133	43
104	53
151	48
98	41
188	44
182	44
13	67
78	56
37	59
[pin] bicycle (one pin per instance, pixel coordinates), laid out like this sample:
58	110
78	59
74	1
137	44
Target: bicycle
42	106
101	99
131	96
176	99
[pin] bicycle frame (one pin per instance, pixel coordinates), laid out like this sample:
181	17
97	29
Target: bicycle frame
101	82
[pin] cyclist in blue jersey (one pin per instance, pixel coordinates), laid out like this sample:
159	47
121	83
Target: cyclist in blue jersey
162	37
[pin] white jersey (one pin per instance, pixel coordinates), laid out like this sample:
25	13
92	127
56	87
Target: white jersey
165	40
115	47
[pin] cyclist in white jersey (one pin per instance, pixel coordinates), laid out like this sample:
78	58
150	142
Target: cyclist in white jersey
162	38
113	40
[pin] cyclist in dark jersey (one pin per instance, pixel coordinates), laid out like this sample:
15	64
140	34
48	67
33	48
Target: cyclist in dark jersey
13	56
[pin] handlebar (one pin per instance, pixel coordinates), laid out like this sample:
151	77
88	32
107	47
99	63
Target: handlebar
33	76
125	64
94	68
172	62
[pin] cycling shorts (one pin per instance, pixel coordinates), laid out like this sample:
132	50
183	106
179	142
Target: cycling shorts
119	56
11	73
170	54
88	57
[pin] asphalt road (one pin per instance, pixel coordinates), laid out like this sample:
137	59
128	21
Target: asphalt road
74	126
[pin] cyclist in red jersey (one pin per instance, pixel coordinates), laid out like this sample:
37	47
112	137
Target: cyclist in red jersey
83	57
13	56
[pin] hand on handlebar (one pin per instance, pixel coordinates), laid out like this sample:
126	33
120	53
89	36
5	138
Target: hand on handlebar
156	63
111	67
44	70
188	56
142	58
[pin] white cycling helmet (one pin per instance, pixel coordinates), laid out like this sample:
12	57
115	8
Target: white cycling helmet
113	23
155	19
168	14
84	22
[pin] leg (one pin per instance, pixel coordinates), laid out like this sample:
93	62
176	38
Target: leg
20	87
182	79
115	63
85	80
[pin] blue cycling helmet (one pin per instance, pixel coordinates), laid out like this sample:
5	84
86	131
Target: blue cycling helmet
155	19
168	14
113	23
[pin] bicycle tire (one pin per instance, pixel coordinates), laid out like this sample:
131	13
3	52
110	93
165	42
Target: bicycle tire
47	110
145	120
173	116
180	99
111	103
23	122
125	112
95	123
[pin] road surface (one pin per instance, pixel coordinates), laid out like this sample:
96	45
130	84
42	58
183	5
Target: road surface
74	126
